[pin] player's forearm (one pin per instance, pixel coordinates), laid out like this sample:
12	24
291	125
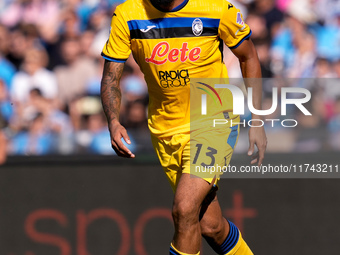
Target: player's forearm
110	90
251	71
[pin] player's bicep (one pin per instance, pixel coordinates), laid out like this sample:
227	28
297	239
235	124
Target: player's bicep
245	51
112	72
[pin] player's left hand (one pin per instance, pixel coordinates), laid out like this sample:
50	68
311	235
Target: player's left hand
257	136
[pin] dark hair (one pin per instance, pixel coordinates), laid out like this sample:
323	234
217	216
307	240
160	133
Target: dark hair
36	91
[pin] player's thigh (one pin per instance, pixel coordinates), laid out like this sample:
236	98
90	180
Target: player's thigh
169	151
190	194
210	152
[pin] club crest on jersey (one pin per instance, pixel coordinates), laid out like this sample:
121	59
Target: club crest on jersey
197	27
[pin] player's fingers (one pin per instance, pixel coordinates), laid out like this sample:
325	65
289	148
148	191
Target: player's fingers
253	161
251	147
254	158
118	151
126	136
122	148
261	155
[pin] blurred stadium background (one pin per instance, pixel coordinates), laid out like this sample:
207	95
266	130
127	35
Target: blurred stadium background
63	190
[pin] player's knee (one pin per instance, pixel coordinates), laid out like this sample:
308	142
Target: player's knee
184	213
212	228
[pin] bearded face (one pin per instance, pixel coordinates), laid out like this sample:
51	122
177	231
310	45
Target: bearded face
163	3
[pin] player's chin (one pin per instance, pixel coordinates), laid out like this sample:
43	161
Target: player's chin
164	3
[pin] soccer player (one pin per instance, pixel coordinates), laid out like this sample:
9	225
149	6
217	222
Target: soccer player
174	41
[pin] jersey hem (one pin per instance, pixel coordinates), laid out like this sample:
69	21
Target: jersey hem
118	60
244	38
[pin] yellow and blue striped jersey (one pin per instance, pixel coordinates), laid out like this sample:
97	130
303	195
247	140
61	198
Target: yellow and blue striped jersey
173	47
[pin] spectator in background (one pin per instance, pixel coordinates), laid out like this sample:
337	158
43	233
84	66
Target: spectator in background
272	15
311	132
133	86
326	10
263	51
55	120
6	108
34	75
329	38
136	124
96	126
69	28
4	40
93	85
93	136
73	76
82	9
86	42
136	115
304	57
37	12
334	126
7	70
100	24
258	27
24	37
323	69
37	140
296	61
18	48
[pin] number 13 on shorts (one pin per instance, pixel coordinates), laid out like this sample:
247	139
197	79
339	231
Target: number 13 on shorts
211	151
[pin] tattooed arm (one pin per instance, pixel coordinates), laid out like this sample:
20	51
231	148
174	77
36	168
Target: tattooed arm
111	99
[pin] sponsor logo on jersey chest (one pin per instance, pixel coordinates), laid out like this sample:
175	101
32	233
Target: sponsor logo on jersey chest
162	53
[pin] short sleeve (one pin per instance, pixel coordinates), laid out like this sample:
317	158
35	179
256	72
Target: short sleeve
232	29
117	47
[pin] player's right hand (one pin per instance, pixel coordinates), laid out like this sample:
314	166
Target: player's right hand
117	132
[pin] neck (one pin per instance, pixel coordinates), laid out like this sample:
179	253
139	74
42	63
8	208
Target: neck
166	6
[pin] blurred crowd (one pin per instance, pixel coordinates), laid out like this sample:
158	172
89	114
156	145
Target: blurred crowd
50	71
